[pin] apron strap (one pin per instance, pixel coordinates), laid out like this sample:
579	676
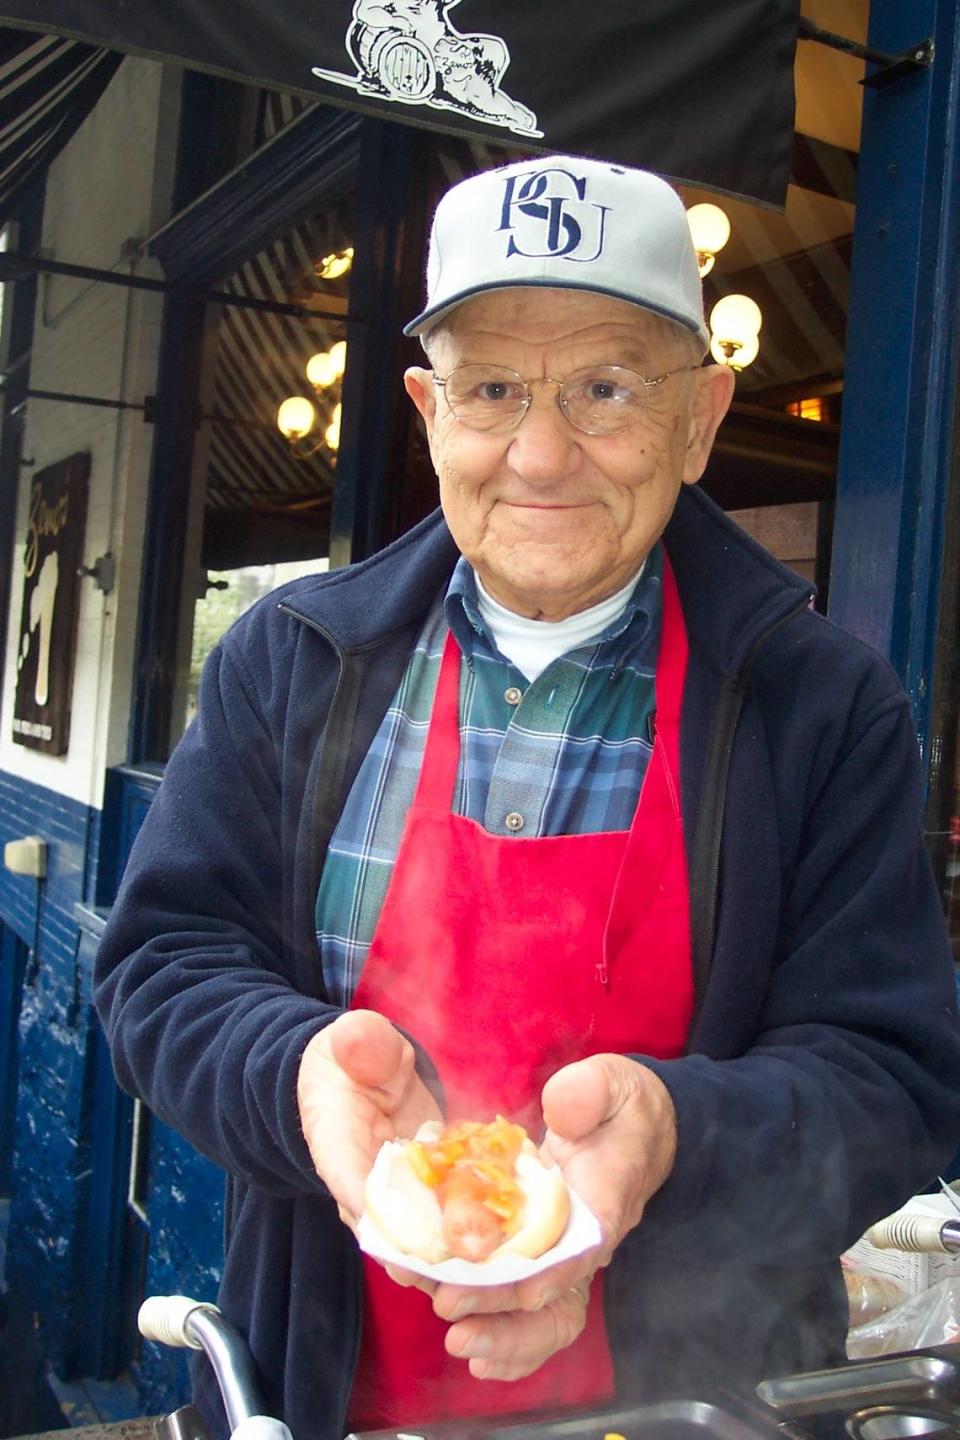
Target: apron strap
438	769
672	656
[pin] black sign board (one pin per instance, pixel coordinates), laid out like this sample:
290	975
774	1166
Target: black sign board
51	593
695	89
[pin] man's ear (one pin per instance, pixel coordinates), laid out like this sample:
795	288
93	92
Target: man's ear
418	384
708	405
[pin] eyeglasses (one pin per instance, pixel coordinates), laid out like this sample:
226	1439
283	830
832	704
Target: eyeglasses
600	400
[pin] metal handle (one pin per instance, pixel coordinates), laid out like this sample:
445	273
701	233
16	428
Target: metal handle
921	1234
164	1318
177	1320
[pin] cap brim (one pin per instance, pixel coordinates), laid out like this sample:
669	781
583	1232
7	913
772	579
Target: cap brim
428	318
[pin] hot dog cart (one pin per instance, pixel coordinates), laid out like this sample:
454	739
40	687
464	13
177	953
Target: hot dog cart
912	1394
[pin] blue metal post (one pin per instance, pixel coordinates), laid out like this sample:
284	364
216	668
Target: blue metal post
902	351
385	292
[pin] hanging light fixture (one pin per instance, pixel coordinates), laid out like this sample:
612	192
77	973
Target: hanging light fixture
331	267
735	323
327	366
709	231
297	416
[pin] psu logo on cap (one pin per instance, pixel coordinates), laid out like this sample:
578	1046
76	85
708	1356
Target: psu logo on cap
548	217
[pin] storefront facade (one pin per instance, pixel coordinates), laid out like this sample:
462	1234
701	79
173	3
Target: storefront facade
188	487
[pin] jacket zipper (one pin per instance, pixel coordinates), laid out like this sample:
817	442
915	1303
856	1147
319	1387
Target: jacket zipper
334	740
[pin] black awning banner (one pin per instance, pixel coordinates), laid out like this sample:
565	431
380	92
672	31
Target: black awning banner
697	90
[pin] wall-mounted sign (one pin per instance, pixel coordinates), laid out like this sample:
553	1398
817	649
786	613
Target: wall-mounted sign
51	595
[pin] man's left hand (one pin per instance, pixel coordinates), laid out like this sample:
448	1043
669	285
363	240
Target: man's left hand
611	1127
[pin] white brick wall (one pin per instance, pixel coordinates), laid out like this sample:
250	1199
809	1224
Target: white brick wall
112	183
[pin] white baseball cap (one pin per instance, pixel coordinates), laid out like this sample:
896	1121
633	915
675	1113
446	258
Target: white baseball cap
567	222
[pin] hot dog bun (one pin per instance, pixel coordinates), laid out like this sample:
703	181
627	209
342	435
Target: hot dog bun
496	1197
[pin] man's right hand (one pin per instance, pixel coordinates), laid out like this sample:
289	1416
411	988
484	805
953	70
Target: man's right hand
357	1088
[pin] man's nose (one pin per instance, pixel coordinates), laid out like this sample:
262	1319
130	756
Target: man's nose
544	445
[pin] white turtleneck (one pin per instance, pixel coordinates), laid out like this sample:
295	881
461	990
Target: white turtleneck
532	645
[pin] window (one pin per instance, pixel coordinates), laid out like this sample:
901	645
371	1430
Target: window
262	501
228	593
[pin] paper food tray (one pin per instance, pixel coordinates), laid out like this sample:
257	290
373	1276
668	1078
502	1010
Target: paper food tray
582	1233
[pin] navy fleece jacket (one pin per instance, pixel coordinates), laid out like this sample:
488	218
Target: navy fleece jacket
822	1083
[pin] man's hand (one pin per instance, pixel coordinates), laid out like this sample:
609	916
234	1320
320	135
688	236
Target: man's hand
611	1127
356	1088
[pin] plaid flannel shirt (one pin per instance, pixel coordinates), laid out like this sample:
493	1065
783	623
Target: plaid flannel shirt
569	757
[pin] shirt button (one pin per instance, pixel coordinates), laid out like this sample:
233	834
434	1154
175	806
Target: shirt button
512	695
514	820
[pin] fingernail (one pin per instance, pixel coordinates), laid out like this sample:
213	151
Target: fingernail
469	1346
464	1306
478	1347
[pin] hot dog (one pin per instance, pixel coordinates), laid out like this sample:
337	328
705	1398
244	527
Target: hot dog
471	1191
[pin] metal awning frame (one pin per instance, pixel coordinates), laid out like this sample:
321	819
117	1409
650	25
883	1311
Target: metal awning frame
892	67
14	265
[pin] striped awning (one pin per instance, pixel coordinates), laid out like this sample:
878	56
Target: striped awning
48	86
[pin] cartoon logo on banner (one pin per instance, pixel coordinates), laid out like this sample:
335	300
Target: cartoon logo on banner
52	555
408	51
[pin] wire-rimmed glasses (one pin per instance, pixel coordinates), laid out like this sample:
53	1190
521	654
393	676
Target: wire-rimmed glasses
599	400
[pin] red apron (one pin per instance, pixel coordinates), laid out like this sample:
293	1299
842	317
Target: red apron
507	959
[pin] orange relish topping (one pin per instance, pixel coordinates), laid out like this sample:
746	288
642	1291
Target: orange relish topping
474	1160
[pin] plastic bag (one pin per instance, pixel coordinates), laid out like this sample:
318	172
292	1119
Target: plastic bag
869	1294
930	1318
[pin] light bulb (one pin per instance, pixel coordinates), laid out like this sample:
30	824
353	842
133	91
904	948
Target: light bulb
332	433
295	417
735	317
321	370
338	354
710	231
709	227
331	267
327	366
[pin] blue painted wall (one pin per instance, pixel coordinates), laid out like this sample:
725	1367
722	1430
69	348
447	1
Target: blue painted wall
72	1239
72	832
184	1256
49	1164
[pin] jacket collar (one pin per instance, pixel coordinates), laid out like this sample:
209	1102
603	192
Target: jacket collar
363	605
732	590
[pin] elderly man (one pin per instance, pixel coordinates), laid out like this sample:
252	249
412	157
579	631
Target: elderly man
565	806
